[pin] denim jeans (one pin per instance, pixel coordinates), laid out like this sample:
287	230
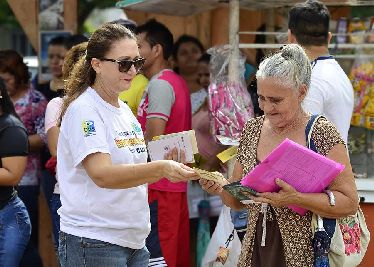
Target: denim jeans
47	182
55	205
29	194
15	231
77	251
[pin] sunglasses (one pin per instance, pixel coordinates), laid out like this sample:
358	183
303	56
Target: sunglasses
124	65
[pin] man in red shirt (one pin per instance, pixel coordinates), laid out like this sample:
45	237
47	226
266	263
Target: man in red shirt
164	109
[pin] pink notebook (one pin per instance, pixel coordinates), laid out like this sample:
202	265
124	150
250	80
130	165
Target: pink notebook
305	170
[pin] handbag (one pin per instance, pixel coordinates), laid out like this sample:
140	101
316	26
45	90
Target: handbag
337	242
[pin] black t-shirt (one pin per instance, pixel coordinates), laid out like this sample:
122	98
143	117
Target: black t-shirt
13	142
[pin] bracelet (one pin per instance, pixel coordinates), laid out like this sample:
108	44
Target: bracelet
331	197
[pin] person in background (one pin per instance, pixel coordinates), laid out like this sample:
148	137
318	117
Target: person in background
57	49
102	159
276	235
30	106
52	131
133	95
186	52
331	92
165	108
199	98
15	222
208	147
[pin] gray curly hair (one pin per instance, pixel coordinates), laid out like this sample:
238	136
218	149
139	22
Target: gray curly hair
291	65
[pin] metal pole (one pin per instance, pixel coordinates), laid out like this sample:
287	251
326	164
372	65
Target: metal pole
234	57
234	40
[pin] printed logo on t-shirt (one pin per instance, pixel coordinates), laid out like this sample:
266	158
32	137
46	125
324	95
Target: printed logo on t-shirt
136	128
88	127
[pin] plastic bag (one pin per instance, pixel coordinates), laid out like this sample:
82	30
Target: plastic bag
229	101
224	239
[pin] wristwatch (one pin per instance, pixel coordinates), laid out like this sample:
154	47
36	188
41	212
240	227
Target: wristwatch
331	197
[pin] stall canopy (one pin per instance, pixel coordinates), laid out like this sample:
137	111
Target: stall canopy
188	7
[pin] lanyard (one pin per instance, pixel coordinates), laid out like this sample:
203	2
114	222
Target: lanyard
314	62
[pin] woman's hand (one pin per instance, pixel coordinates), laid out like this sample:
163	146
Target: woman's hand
211	187
178	172
286	196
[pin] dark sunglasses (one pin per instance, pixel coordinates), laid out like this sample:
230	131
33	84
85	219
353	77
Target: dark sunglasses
124	65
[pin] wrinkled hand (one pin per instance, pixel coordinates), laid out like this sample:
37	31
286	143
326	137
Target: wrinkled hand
286	196
178	172
210	187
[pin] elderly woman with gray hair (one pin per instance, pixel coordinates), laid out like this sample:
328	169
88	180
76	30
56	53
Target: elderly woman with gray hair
283	80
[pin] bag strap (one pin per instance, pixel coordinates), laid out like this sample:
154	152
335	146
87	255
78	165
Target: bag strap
309	130
323	224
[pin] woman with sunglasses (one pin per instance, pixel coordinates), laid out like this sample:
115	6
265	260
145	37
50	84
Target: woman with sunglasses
15	226
102	159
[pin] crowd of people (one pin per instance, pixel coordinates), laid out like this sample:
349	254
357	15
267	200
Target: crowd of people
82	138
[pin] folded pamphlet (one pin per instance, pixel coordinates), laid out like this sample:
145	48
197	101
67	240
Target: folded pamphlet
183	141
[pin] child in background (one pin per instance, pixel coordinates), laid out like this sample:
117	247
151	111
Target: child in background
208	148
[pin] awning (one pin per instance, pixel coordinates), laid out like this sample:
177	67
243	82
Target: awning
191	7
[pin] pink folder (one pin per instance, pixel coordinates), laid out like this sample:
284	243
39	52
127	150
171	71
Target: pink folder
305	170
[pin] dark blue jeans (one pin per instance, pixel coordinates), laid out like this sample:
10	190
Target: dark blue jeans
55	205
77	251
15	231
30	196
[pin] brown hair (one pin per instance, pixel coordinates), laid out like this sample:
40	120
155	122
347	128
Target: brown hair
71	58
11	62
83	75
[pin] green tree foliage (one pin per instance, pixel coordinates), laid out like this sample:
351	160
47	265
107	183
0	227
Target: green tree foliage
7	18
86	6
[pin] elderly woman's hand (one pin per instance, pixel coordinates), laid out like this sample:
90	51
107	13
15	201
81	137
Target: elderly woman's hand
286	196
211	187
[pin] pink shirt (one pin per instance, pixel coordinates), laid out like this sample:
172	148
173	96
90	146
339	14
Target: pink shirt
176	110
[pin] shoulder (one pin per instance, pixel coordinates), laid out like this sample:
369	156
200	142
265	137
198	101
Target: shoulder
83	104
10	123
9	120
254	124
325	135
55	103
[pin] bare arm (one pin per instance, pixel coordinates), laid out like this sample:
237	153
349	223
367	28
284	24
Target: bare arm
12	170
343	188
36	143
52	137
155	127
107	175
216	189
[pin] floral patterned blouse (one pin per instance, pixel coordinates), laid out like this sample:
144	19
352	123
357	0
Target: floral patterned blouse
295	230
31	109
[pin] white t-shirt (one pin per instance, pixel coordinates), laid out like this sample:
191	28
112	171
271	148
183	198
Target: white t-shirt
331	94
117	216
52	114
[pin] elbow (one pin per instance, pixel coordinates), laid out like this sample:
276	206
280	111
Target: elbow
102	181
351	209
14	180
354	207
